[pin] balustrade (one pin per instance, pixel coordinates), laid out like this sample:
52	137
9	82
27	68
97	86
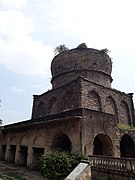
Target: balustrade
122	164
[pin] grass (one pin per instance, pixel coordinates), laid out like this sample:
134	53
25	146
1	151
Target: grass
126	126
12	176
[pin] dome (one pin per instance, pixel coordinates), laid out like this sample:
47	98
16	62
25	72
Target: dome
94	65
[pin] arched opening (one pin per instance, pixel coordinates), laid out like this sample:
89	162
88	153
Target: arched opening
3	152
38	149
37	152
23	155
62	143
102	145
12	153
127	146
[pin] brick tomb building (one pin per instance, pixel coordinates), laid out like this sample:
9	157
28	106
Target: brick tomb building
80	113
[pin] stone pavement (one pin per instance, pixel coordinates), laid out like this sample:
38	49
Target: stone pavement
12	168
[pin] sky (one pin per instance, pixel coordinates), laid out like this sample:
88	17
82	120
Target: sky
31	29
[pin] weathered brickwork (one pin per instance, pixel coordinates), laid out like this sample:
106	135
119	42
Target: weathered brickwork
106	174
40	136
89	63
58	100
111	100
80	113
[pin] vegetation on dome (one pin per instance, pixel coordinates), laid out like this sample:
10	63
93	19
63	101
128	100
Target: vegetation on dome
59	49
105	51
82	46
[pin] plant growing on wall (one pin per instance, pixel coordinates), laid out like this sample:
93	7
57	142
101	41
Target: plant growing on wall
59	49
82	46
105	51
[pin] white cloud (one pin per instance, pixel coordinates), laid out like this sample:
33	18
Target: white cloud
17	90
14	24
12	114
38	86
101	24
18	51
98	23
13	4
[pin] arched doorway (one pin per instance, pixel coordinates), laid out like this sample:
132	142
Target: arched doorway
127	146
103	145
62	143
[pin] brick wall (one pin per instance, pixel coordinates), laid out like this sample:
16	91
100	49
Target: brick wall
89	63
106	174
111	101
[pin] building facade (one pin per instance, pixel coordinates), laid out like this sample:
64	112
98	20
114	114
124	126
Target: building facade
80	113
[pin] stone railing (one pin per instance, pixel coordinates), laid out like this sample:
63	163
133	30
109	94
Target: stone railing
122	164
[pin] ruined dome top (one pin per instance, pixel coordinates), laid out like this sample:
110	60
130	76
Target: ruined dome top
81	59
84	58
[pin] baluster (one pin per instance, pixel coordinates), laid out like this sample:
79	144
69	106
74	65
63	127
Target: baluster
133	165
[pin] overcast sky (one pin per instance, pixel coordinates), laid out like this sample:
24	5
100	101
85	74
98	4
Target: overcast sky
31	29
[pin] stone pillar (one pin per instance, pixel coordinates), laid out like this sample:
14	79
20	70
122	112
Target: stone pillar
0	151
30	157
17	154
44	151
7	152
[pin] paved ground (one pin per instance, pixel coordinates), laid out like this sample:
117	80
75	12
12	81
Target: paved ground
8	168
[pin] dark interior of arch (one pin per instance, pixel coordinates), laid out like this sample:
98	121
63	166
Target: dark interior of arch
127	147
98	148
62	143
102	145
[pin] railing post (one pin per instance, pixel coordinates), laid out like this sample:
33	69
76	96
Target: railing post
128	165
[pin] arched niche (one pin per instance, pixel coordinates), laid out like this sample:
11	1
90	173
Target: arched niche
94	101
67	100
111	107
127	147
103	145
24	141
61	142
40	108
13	139
124	114
3	139
52	108
38	140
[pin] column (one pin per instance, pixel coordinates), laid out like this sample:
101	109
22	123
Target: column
17	154
7	152
30	157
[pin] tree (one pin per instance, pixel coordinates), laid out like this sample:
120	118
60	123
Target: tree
59	49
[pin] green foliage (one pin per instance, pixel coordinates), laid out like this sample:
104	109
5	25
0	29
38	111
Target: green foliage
82	46
125	126
59	49
12	176
56	165
105	51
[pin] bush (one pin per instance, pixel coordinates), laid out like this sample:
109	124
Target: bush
56	165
